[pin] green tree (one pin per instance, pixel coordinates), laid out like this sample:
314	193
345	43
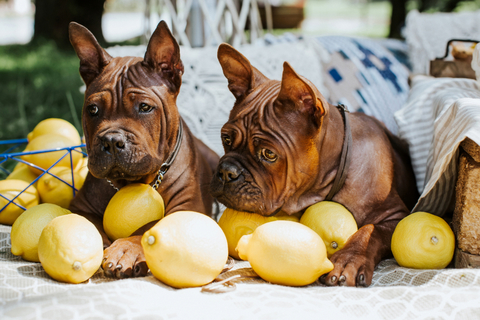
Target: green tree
53	16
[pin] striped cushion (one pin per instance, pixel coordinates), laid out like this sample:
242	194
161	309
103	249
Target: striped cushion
440	113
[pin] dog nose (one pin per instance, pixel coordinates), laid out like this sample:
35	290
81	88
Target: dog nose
113	142
228	172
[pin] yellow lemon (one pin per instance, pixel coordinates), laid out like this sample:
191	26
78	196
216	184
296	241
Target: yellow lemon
236	224
423	241
332	222
286	253
53	190
132	207
82	167
185	249
23	173
27	229
10	189
47	159
70	248
19	165
56	126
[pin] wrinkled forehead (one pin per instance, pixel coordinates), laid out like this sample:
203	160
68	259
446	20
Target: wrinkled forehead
125	72
256	104
256	115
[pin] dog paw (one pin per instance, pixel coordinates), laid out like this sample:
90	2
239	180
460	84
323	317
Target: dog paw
125	259
350	269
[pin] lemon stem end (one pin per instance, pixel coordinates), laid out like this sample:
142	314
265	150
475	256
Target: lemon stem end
151	240
77	265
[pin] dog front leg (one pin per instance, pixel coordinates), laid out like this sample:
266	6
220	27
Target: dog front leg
355	263
125	258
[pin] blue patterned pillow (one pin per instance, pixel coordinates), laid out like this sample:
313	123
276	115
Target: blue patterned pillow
365	76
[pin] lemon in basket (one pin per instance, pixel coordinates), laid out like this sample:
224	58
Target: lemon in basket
332	222
23	173
28	227
10	189
236	224
185	249
19	166
46	159
286	253
132	207
70	248
56	126
423	241
82	167
53	190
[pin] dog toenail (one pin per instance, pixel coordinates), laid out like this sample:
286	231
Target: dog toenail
119	266
109	265
322	278
334	278
361	278
342	278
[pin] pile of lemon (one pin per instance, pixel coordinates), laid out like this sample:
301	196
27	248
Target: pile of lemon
297	253
48	134
183	249
69	247
286	249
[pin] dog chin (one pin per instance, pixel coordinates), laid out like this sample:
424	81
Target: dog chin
245	205
117	173
119	169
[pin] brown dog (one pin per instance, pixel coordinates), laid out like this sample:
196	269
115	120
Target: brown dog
283	151
134	133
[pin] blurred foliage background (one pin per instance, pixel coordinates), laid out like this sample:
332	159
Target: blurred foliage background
39	73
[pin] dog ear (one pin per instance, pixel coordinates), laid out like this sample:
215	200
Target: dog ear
93	58
297	92
163	54
242	76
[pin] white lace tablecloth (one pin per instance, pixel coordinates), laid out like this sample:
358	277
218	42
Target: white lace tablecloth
27	292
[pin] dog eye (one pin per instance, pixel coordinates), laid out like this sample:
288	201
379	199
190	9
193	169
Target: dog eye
269	155
92	110
144	108
227	140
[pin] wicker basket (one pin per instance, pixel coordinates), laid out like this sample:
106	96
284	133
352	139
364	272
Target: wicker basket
10	155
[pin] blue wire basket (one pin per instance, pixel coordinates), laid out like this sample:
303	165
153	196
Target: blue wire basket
9	155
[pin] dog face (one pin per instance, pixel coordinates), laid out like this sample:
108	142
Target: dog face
270	140
130	104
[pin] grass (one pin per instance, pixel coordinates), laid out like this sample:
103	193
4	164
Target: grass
37	82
